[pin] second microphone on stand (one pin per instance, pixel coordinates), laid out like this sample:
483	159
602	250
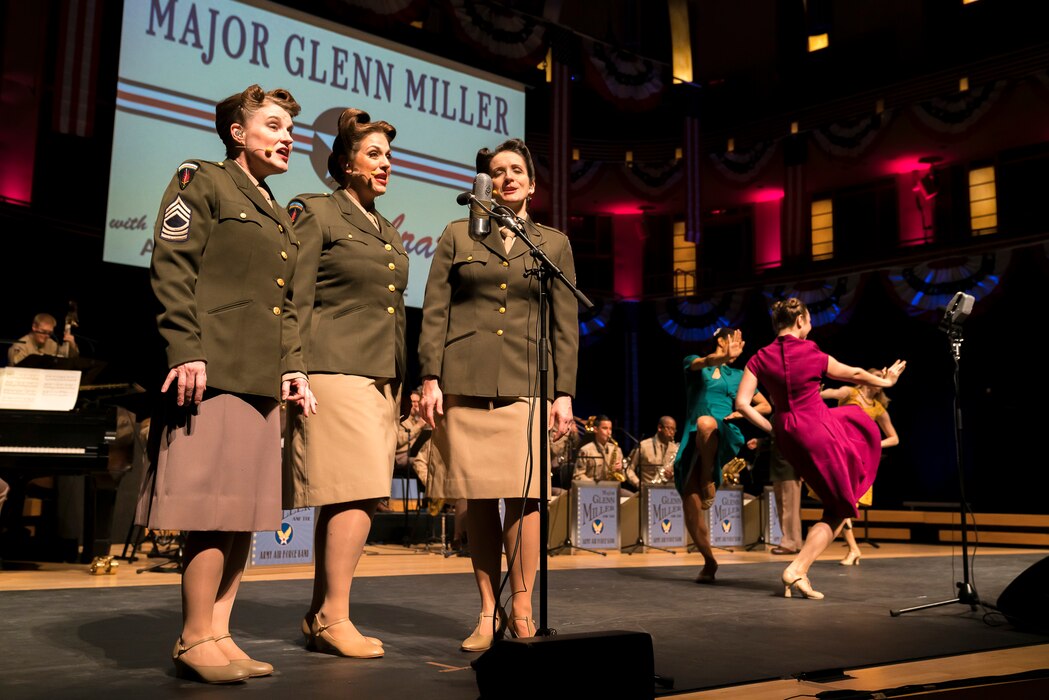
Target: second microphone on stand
480	202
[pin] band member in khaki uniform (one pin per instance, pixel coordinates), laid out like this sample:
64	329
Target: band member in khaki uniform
349	285
408	431
477	351
39	341
601	459
654	456
222	267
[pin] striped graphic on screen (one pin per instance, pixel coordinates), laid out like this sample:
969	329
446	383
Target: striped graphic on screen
199	113
76	66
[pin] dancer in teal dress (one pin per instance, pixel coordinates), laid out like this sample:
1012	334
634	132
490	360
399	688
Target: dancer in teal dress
710	439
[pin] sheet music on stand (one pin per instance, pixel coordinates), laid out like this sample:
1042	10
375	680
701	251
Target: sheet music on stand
32	389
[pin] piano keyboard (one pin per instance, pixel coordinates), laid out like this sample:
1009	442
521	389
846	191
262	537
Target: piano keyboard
31	450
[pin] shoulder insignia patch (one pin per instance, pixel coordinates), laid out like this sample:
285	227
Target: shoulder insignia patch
176	221
186	171
295	208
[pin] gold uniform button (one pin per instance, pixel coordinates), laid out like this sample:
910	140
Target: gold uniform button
502	309
243	215
349	235
388	247
276	311
389	309
392	266
506	264
499	332
502	286
280	281
469	258
284	255
280	228
392	288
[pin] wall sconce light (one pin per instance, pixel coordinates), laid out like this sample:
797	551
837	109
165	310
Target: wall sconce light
575	154
963	85
730	146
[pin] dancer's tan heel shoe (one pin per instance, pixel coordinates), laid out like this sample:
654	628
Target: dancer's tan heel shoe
482	637
360	648
255	669
801	583
205	674
311	643
851	559
529	625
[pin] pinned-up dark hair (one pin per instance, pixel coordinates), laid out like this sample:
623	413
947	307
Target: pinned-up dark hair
484	156
236	109
354	125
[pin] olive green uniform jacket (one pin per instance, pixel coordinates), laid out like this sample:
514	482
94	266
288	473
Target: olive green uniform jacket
349	288
481	315
222	267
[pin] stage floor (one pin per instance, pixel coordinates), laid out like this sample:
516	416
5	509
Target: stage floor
68	634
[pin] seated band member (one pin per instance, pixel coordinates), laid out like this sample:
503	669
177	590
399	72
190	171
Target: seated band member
652	461
39	341
600	459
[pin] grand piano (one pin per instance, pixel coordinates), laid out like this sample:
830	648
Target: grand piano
82	442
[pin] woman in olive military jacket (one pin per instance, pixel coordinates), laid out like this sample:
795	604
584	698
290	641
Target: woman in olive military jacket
478	356
349	288
223	260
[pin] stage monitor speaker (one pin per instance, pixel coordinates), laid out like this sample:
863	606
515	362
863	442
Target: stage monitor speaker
1025	601
614	664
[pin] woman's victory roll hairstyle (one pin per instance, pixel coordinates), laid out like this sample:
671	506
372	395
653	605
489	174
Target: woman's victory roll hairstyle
236	109
354	125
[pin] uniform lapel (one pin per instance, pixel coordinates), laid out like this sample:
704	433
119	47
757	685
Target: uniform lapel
494	242
251	191
389	234
355	216
534	233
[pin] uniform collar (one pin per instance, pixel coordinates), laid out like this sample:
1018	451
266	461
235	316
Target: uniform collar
354	214
494	240
251	190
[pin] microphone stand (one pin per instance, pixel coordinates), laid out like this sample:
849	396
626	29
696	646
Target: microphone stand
543	272
967	594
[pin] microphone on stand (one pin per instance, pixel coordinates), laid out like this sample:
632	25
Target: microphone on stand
479	200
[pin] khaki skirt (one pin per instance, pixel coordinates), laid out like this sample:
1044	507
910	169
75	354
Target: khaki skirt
217	469
345	452
482	448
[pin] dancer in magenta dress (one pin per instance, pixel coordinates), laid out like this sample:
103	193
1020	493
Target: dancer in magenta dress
835	450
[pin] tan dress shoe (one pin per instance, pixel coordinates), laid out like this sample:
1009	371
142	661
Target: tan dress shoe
205	674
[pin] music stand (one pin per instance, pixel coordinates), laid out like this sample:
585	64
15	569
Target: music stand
566	544
642	505
172	556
